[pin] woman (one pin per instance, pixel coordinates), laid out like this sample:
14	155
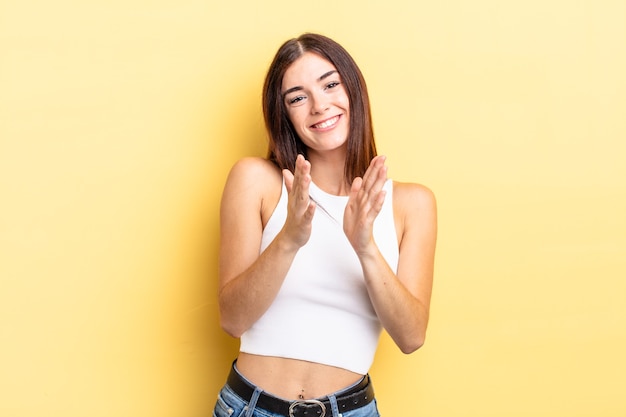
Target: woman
319	249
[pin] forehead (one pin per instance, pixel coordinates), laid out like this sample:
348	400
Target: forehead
306	69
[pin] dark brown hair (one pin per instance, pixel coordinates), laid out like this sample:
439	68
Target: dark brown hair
284	143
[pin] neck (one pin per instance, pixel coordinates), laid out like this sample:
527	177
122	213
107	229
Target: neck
327	172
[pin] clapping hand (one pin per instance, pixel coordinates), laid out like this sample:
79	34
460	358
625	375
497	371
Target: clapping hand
300	208
364	203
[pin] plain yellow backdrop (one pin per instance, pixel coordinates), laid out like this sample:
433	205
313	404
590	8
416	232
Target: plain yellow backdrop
119	121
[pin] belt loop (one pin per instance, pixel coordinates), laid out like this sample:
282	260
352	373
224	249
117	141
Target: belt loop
333	405
253	400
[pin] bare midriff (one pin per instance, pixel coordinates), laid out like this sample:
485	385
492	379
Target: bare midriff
293	379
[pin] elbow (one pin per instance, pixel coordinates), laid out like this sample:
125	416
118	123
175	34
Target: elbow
412	344
232	331
228	319
231	327
415	337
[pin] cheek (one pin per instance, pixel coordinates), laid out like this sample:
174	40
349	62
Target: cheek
296	117
346	102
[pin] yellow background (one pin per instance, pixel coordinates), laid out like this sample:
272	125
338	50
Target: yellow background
120	119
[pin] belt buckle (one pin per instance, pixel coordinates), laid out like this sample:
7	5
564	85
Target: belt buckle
298	403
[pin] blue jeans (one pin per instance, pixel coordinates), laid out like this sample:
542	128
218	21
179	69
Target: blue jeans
230	404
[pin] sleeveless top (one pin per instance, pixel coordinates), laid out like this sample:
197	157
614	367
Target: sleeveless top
322	312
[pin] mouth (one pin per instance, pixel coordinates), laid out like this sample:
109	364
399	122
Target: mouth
328	123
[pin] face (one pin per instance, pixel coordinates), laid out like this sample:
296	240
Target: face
317	102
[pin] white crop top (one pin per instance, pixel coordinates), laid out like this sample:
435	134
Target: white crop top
322	312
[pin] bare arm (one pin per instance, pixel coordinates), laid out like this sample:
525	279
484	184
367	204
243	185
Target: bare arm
401	301
249	281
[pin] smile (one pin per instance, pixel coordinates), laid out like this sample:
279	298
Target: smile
326	123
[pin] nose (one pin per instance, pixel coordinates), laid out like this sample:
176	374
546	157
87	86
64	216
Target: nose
319	103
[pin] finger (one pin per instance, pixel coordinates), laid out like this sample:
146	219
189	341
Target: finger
380	179
302	177
356	187
291	177
310	210
377	205
288	177
370	168
372	175
301	167
300	186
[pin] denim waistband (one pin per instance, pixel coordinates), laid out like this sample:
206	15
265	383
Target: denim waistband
356	396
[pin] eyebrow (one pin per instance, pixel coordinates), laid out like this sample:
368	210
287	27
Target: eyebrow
321	78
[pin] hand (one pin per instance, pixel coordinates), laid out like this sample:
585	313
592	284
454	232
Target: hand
364	203
300	208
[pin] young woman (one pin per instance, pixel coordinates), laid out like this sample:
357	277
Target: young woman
319	249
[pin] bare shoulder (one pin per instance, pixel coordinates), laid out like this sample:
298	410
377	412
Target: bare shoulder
415	214
254	183
408	197
253	176
254	170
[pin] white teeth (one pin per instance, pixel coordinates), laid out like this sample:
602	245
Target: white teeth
327	123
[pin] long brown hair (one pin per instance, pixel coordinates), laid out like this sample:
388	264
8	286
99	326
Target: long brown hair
284	143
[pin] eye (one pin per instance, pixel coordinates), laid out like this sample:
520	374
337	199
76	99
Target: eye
332	84
294	101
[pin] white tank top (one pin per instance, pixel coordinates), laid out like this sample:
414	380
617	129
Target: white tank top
322	312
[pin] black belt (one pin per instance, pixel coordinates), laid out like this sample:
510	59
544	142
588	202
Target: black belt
356	397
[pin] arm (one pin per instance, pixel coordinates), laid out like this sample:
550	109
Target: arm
249	281
401	300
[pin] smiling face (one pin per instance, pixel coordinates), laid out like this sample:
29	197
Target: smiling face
317	103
